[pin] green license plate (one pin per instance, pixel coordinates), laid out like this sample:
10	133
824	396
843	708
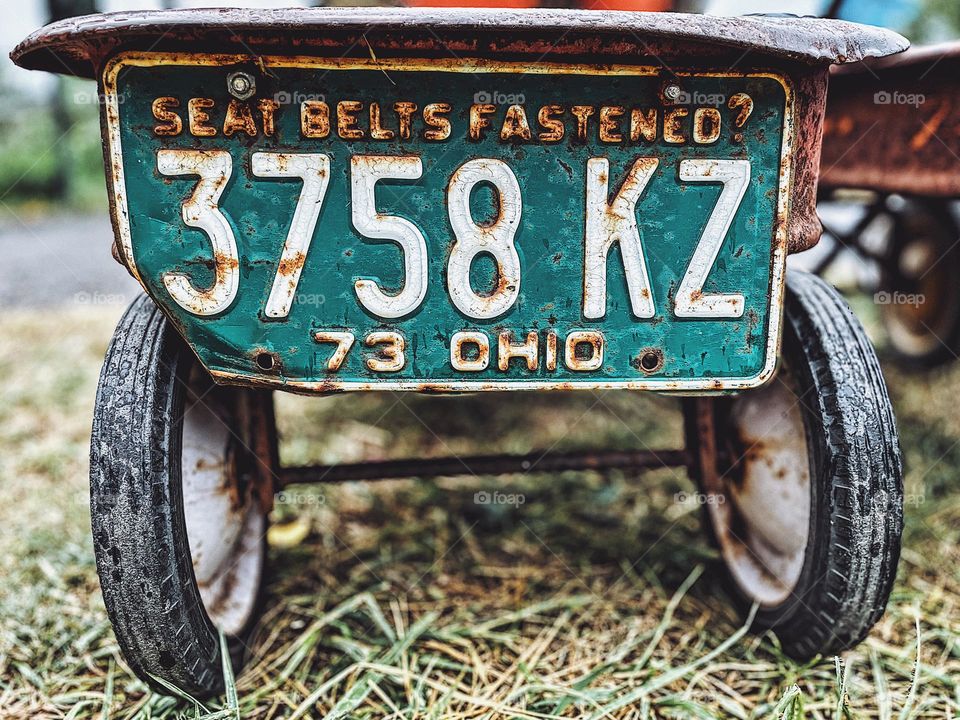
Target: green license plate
455	225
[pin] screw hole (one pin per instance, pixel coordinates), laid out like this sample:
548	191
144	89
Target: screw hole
241	85
651	360
266	361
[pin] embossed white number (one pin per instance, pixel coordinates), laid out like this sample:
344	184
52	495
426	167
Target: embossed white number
610	223
343	340
691	301
365	172
314	170
201	211
607	222
495	239
391	357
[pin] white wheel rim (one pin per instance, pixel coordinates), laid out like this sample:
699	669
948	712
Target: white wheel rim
910	335
224	531
762	517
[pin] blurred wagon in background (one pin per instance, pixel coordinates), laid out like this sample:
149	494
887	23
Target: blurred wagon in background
338	200
891	149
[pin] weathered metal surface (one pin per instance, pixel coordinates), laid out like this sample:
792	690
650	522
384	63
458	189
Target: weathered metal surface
750	458
607	244
258	454
81	45
894	125
534	462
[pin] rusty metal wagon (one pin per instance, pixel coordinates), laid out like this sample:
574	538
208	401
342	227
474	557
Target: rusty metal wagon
891	146
339	200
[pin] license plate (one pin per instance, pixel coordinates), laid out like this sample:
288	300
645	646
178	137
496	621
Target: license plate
455	225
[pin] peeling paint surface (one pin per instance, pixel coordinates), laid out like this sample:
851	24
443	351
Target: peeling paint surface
547	295
902	117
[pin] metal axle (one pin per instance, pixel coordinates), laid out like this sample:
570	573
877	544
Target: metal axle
535	462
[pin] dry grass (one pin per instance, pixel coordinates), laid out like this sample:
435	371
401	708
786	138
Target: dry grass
597	597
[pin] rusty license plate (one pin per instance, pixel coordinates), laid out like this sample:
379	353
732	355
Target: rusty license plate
455	225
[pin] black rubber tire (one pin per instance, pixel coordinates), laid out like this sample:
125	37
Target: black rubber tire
136	507
856	472
937	320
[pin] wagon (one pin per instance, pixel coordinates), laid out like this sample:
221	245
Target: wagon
345	200
890	147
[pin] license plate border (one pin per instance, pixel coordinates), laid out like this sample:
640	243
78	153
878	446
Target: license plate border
120	211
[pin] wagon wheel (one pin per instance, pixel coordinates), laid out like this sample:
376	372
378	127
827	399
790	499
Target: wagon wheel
180	482
803	480
919	294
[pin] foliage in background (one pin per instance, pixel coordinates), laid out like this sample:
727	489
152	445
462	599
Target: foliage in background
937	21
33	148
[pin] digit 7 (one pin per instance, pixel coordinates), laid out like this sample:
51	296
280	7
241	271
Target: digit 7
343	340
314	170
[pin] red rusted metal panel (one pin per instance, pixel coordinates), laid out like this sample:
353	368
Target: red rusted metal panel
893	124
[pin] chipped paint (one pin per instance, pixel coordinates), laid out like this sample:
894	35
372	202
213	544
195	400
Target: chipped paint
891	126
508	283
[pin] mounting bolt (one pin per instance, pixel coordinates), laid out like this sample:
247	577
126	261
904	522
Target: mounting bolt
241	85
672	92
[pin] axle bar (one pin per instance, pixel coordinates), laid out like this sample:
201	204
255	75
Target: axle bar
538	462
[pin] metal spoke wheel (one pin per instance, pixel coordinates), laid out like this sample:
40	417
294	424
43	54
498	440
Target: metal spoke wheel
180	479
919	296
803	480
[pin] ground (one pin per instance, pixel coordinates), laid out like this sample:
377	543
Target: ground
597	595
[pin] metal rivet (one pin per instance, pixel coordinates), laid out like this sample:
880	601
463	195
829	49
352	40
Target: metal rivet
241	85
671	91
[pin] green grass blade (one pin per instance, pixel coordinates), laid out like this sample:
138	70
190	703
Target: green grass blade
912	695
667	618
882	692
631	697
174	690
108	693
229	681
790	706
841	670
